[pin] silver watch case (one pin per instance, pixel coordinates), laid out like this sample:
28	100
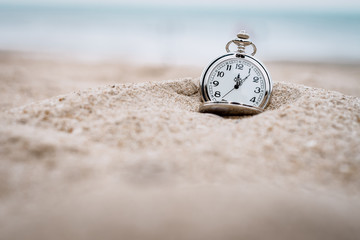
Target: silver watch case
233	108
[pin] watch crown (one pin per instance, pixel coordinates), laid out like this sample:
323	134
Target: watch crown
243	35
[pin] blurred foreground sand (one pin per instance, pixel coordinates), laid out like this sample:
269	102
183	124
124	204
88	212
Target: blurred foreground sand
121	154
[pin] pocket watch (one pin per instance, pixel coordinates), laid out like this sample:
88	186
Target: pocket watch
235	83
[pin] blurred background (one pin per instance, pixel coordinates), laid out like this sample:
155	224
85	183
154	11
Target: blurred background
182	32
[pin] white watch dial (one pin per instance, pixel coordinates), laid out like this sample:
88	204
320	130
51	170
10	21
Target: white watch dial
237	80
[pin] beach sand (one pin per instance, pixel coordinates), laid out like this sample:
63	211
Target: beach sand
110	150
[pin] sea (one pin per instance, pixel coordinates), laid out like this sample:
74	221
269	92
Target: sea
179	35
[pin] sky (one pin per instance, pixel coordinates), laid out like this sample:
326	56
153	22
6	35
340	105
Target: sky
273	4
277	26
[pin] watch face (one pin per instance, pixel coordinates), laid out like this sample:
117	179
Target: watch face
237	79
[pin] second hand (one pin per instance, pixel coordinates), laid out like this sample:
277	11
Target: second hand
228	92
237	79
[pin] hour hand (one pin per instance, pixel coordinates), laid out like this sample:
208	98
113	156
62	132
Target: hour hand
238	81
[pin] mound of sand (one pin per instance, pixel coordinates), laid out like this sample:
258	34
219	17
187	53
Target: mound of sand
137	161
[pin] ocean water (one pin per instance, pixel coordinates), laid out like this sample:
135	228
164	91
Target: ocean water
179	34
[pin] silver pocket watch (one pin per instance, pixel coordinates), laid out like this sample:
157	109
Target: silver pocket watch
235	83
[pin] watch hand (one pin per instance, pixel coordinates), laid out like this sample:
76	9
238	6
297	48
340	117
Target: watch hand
238	83
236	79
243	80
228	92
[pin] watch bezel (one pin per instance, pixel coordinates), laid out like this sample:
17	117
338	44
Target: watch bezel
204	80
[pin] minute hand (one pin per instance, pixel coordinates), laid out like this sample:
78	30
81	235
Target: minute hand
243	80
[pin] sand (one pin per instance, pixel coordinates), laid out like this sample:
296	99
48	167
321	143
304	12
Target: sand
117	159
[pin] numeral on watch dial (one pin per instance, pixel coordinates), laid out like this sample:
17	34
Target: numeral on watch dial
239	66
220	74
